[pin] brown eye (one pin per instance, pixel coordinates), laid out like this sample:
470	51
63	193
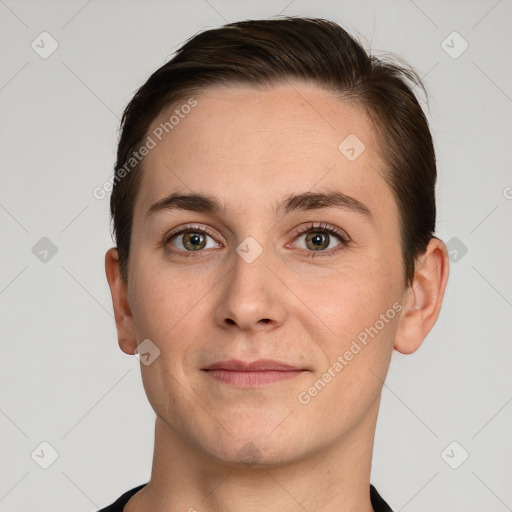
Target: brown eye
190	240
317	240
321	240
194	241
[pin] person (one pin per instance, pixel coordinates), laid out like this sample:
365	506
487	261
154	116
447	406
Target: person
273	209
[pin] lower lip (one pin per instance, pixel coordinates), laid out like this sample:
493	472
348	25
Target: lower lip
252	379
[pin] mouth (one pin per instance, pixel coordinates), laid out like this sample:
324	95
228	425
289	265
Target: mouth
256	373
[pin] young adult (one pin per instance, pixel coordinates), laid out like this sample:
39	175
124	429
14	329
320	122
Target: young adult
274	214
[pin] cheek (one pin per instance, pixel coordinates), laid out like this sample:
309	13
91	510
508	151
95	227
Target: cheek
352	299
362	323
168	310
165	299
361	312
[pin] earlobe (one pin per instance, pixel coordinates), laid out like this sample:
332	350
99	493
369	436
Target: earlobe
122	310
424	298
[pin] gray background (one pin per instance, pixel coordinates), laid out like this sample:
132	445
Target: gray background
64	380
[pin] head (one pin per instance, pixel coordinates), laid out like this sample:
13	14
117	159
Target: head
274	198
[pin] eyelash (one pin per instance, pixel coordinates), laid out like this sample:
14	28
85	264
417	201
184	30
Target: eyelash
322	227
312	228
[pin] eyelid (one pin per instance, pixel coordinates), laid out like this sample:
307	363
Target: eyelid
322	226
187	228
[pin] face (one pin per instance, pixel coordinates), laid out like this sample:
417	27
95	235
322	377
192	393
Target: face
292	257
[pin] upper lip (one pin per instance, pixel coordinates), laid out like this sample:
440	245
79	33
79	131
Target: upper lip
254	366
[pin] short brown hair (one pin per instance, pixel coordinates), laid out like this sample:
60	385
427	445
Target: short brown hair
263	53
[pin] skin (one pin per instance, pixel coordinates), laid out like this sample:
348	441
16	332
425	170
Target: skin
220	447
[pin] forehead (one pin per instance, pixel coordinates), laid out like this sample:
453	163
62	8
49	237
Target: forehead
251	146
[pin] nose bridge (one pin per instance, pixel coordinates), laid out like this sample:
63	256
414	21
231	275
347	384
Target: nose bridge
250	296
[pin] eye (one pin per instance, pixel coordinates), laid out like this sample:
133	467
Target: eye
321	238
317	239
191	239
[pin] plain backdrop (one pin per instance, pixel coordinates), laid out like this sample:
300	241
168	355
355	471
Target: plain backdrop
443	438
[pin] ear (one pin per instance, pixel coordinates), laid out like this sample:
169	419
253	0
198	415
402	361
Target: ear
122	311
424	298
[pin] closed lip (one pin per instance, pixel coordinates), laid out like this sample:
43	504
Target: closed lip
260	365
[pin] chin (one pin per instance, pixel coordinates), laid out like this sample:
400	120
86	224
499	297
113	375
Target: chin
253	448
252	455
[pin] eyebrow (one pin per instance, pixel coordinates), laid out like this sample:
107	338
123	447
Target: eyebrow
294	202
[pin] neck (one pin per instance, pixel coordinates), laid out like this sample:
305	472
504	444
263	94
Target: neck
335	479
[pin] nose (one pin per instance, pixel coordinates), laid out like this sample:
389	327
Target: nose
252	298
